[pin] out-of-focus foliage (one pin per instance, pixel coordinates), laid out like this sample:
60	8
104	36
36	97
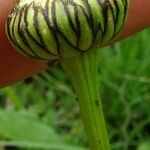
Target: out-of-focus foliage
42	112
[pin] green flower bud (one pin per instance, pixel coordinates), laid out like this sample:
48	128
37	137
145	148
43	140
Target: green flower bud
53	29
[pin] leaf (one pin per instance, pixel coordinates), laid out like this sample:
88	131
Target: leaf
24	127
51	146
25	130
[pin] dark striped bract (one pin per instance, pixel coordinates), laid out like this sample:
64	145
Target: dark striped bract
52	29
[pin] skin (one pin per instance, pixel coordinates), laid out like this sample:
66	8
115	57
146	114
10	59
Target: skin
15	67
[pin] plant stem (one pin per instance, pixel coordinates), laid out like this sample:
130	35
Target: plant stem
82	71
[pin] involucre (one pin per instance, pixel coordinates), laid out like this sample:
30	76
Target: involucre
53	29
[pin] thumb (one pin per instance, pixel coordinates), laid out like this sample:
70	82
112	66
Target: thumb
13	66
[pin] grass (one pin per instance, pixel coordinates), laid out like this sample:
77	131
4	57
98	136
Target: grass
42	112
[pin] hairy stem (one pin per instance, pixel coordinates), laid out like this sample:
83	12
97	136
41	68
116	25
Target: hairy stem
82	71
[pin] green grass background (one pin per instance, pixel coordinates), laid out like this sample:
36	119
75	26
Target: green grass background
42	112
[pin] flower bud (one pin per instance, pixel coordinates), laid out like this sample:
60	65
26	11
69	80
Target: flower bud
53	29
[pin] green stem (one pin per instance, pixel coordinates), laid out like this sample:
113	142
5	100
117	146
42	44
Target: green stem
82	70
